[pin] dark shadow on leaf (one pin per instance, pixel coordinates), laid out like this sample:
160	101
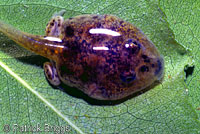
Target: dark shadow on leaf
35	60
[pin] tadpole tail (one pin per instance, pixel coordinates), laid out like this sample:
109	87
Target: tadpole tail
45	46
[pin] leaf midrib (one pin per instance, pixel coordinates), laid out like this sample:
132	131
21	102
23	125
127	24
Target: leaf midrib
37	94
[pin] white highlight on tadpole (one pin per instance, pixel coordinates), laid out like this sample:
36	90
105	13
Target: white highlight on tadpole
100	48
52	45
127	45
26	85
104	31
53	39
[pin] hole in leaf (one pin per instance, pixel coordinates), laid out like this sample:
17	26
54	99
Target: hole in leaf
188	70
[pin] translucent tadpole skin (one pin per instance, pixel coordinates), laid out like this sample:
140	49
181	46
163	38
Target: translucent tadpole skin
101	55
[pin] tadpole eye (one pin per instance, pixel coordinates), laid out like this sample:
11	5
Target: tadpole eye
132	46
128	77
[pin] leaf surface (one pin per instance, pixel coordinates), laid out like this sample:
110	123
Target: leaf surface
26	98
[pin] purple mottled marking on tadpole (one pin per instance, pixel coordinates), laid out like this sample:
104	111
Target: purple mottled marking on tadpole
95	17
69	31
159	65
130	40
104	92
99	25
84	42
146	58
52	75
144	68
128	78
110	60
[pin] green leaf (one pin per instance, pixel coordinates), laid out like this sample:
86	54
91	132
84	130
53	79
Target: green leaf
184	20
172	106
